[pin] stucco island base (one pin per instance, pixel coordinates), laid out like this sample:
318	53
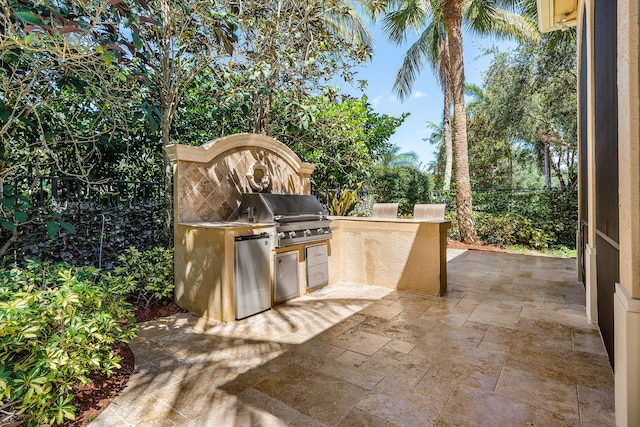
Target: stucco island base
395	253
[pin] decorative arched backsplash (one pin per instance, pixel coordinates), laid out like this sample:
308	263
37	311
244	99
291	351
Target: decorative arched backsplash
209	180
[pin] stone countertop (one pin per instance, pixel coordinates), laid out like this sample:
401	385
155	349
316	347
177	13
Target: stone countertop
227	224
371	219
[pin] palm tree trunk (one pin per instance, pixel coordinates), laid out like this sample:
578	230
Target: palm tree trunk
448	143
452	13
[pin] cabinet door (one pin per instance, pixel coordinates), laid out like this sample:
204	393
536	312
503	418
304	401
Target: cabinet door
251	282
286	285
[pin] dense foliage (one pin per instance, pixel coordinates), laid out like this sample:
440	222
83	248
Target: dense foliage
534	218
342	136
150	274
345	139
100	236
524	114
59	323
406	186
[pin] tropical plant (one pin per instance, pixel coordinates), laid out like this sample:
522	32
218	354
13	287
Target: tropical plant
546	217
345	201
345	142
527	114
58	323
179	42
65	91
394	157
403	185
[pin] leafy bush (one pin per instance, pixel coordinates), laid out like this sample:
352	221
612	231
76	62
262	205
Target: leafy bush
540	218
58	323
403	185
508	229
149	273
511	229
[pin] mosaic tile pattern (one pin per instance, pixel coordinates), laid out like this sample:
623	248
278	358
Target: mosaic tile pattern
211	191
509	345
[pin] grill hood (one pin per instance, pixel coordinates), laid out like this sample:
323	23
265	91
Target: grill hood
269	207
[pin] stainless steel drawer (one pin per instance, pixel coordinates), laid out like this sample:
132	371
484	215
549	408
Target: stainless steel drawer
316	254
318	275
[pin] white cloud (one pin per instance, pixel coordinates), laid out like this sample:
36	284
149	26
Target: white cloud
375	101
418	94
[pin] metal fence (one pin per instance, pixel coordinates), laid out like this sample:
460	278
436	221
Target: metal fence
52	190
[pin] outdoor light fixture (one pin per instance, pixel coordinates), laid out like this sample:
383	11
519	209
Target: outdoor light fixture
557	14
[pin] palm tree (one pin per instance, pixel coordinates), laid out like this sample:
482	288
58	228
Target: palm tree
432	48
440	44
438	139
394	157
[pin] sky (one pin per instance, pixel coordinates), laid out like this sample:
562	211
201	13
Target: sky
425	103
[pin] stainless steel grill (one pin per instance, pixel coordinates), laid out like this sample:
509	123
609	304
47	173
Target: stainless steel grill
299	218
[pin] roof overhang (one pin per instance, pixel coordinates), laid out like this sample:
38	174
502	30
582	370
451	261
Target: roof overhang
557	14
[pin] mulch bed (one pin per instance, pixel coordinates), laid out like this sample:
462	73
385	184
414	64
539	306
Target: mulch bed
454	244
90	400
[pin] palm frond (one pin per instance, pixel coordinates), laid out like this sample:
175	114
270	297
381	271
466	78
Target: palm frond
482	18
345	22
411	17
414	60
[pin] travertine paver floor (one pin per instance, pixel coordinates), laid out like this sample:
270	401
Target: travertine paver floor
509	345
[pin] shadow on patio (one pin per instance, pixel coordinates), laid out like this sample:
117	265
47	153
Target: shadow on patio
508	345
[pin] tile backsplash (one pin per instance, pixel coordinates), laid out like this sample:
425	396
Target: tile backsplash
212	191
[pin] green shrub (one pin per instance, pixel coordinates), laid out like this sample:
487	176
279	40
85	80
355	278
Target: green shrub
150	274
511	229
124	226
507	229
541	218
58	323
403	185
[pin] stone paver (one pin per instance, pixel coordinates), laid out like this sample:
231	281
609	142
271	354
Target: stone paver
508	345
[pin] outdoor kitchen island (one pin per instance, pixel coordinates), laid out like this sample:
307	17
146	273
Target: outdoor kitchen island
402	254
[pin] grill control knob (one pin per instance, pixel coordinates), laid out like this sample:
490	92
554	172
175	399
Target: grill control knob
281	235
320	231
307	232
292	234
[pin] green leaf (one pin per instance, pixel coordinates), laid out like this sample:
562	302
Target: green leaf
137	41
68	227
7	225
4	115
29	17
52	228
20	216
108	57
